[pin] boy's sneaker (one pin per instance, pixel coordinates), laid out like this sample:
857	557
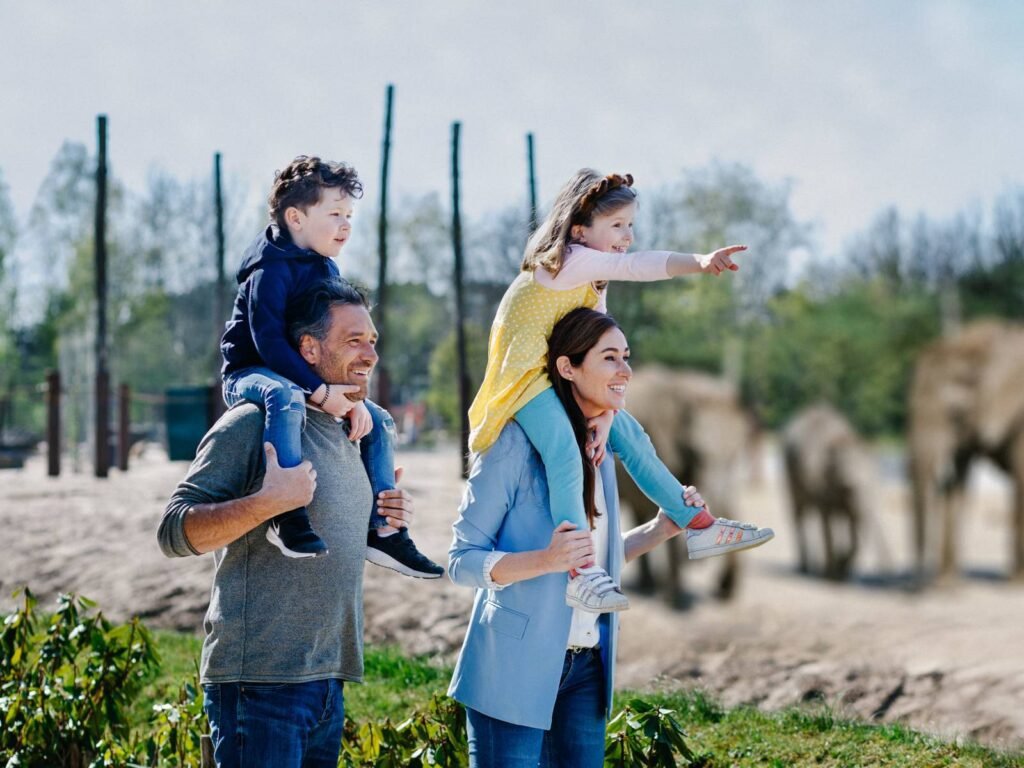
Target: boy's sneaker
294	536
725	536
594	591
399	553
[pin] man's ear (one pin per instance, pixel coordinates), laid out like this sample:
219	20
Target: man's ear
564	367
309	349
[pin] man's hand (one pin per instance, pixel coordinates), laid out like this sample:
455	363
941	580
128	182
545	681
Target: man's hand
338	405
569	549
285	489
599	427
716	262
395	505
360	422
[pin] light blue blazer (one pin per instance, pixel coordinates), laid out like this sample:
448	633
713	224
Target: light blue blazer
511	661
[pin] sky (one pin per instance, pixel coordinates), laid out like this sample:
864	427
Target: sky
859	104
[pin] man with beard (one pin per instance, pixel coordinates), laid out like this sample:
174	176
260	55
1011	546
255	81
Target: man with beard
281	639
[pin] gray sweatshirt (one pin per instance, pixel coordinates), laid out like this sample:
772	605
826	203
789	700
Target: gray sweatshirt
272	618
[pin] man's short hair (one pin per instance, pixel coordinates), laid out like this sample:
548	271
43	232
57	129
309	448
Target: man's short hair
302	182
310	313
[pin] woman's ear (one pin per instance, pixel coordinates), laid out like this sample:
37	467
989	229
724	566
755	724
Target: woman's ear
309	349
564	367
576	233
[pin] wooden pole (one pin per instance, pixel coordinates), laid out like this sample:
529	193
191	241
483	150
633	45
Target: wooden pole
53	424
382	376
219	300
124	401
460	331
102	424
532	183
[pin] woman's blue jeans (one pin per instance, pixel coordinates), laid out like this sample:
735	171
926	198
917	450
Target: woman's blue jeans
576	738
547	425
288	725
284	403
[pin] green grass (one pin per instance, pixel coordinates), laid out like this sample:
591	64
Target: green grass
395	685
814	736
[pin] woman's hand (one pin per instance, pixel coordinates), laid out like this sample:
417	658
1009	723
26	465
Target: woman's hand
692	498
569	549
599	427
717	262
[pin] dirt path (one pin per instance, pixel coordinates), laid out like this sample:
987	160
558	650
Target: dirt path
948	660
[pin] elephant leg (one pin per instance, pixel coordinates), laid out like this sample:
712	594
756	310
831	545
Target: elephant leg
800	528
645	581
828	514
677	594
1017	524
924	501
853	543
728	577
952	504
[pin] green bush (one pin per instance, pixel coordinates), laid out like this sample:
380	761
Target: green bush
65	682
66	685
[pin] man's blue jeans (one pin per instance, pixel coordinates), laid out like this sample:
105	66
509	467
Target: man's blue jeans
288	725
576	738
285	406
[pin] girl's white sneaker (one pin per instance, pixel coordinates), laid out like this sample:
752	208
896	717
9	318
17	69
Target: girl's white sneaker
593	590
725	536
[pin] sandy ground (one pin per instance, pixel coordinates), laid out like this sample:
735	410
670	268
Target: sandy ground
948	660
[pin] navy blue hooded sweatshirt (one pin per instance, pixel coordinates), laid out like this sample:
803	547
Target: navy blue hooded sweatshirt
274	272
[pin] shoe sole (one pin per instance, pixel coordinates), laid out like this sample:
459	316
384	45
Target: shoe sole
377	557
724	549
572	602
275	539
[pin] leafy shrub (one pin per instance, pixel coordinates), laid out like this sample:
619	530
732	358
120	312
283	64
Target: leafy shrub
65	682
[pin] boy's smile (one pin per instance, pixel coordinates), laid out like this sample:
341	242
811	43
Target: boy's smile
324	227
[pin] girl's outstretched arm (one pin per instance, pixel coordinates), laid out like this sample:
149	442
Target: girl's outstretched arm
714	263
585	265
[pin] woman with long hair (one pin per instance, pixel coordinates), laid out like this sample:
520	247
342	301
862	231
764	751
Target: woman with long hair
534	673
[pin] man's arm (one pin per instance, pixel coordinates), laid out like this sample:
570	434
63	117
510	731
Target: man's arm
211	526
225	493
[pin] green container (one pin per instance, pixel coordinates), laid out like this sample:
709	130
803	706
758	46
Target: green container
187	411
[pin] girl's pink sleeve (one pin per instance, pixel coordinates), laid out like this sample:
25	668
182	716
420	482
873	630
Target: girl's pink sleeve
584	265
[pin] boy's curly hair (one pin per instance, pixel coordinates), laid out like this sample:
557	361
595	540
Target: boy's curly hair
299	185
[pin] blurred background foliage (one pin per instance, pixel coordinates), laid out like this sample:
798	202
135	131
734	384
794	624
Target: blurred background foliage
795	325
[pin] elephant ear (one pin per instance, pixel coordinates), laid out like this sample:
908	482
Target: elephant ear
1000	403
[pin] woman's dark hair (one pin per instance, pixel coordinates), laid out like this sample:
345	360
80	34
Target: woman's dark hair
302	182
572	337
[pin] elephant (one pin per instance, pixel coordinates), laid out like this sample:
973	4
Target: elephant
829	469
700	431
966	401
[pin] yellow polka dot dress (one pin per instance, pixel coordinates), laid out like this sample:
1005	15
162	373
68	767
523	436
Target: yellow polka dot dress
517	353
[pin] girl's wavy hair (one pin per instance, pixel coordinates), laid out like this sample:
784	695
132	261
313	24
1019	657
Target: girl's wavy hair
574	336
302	182
585	195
